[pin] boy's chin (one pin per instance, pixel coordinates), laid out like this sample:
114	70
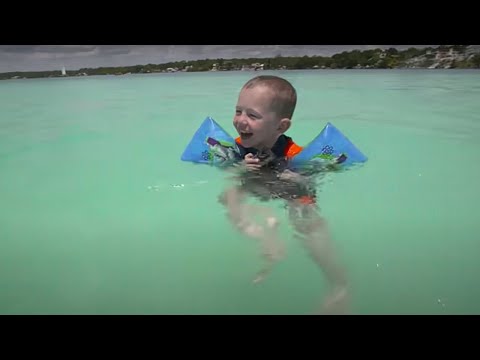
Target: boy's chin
247	141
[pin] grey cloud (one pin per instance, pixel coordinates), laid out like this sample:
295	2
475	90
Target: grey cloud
16	49
53	49
114	49
65	49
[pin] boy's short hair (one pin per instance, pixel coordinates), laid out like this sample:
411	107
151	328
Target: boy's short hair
285	98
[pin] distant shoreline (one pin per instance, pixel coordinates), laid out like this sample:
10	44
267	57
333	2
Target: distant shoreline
239	71
442	57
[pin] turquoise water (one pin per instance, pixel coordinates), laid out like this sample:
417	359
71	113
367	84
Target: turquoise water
99	216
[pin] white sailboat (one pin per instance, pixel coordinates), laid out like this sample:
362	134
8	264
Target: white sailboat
64	72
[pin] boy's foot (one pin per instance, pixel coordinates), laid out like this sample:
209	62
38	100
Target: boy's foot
272	222
260	276
336	303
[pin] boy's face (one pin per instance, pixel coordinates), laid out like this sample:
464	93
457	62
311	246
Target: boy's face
258	126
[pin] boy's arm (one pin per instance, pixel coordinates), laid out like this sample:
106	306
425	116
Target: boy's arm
233	198
288	175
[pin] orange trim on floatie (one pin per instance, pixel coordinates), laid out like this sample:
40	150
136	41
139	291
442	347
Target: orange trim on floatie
290	151
306	200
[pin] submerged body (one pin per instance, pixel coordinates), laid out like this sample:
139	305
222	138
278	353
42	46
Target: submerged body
263	114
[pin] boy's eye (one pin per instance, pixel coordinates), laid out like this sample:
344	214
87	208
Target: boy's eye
249	114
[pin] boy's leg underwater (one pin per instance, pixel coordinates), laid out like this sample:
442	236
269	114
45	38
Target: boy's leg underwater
312	230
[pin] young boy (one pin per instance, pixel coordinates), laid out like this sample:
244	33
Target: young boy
263	114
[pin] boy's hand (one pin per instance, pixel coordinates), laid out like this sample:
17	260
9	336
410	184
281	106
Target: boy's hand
251	162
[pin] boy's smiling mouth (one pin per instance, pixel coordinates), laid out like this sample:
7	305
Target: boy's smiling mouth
245	135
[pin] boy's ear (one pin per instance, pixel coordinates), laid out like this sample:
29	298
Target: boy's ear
284	125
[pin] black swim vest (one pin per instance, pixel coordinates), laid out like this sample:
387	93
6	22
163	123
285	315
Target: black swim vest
283	147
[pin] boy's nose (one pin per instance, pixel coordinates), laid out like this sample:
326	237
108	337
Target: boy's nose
242	120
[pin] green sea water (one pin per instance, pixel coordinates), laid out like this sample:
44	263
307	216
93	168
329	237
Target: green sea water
98	215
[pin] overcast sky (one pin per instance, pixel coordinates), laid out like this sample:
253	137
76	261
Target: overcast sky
74	57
